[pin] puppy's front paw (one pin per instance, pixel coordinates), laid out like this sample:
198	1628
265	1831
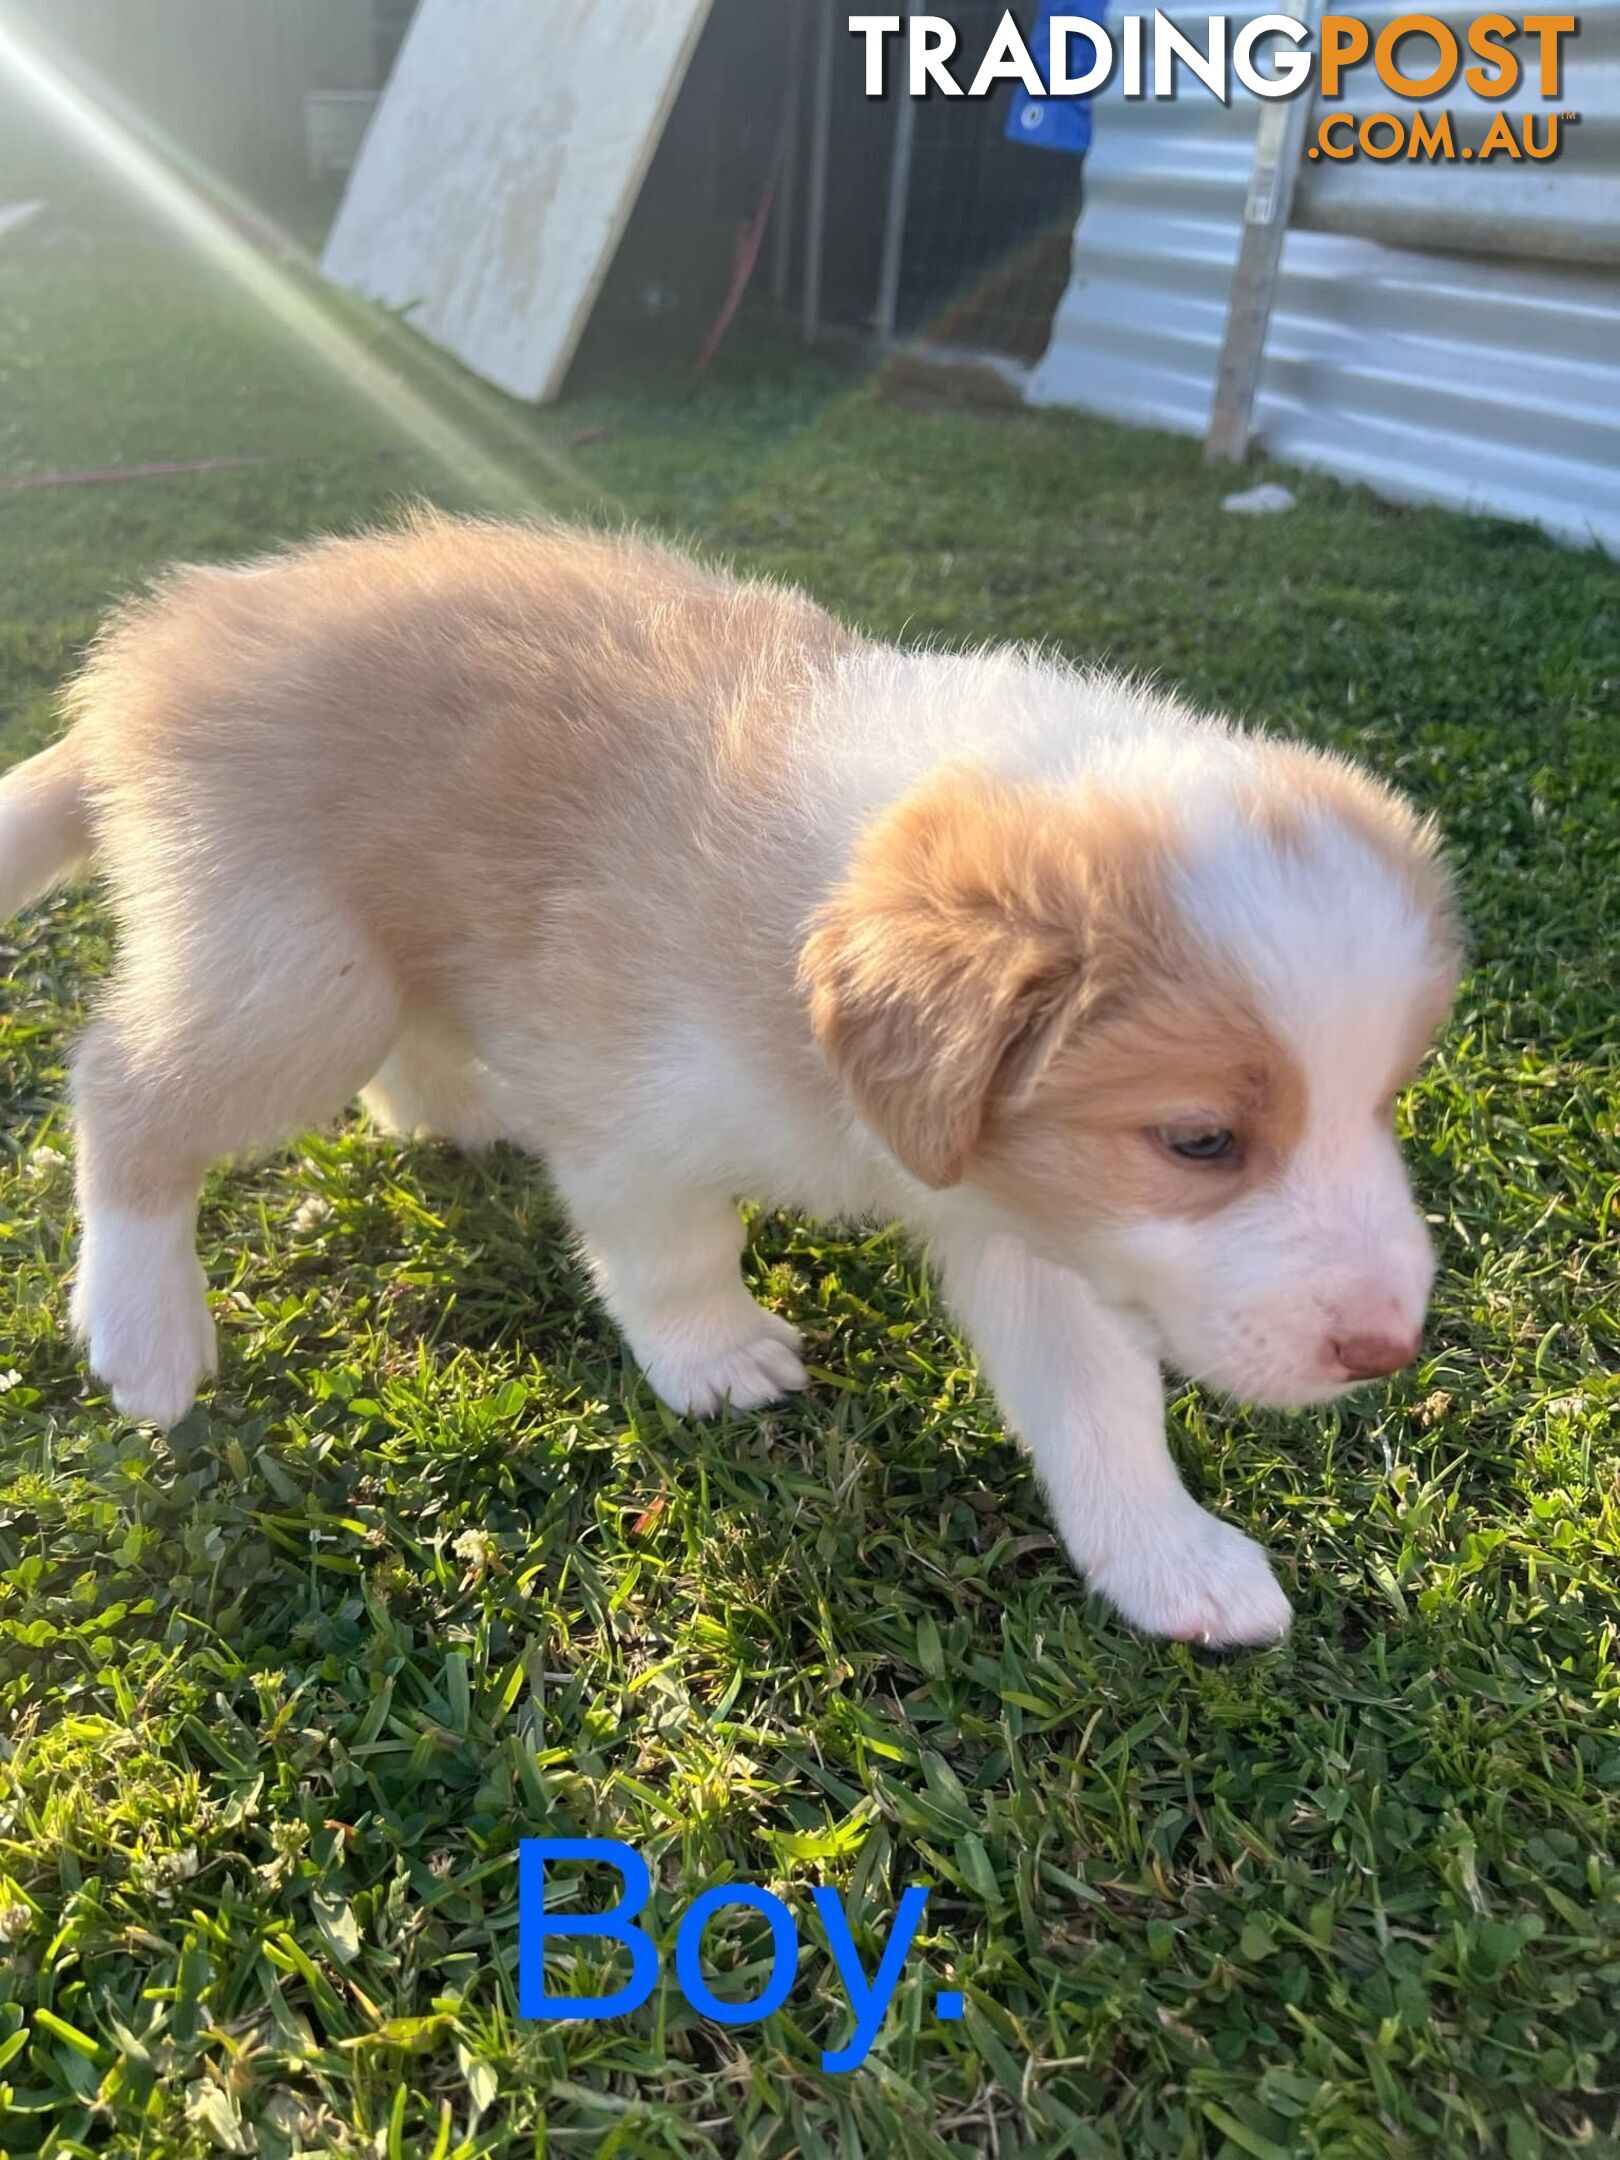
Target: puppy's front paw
746	1359
140	1307
153	1375
1194	1579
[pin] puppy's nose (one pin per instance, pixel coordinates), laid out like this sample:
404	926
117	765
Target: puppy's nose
1367	1357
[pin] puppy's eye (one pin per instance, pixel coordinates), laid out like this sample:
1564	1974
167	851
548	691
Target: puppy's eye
1198	1143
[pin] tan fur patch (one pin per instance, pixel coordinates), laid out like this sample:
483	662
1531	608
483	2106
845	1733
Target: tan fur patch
1004	988
981	925
1191	1042
478	770
1184	1046
459	726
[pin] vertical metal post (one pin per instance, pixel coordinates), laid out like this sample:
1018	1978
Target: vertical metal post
894	220
787	185
815	220
1279	145
786	196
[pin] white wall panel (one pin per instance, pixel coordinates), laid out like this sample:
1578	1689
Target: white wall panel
502	164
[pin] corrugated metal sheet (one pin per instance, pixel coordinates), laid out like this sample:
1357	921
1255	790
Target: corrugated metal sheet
1564	210
1483	381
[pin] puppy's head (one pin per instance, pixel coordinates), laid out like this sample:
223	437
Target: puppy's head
1158	1034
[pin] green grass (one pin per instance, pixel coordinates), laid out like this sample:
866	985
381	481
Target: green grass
430	1569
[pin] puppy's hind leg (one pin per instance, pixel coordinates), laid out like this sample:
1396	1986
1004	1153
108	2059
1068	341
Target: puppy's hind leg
664	1259
430	1086
209	1044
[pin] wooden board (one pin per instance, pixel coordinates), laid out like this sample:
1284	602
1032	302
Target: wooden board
505	158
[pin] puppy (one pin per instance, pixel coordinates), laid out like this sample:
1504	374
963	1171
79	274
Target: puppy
569	841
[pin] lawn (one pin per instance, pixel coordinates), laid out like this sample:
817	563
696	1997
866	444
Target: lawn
430	1570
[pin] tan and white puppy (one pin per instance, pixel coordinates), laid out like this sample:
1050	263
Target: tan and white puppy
570	841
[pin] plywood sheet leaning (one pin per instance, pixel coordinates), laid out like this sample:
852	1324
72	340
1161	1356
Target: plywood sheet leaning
497	176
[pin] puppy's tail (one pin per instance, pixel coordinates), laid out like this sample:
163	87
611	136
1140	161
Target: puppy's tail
44	832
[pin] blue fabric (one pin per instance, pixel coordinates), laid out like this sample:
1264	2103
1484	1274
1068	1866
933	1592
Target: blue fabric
1054	123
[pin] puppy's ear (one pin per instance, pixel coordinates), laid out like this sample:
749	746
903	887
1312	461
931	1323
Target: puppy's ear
953	961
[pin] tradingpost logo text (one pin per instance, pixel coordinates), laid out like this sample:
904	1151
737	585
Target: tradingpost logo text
1411	58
